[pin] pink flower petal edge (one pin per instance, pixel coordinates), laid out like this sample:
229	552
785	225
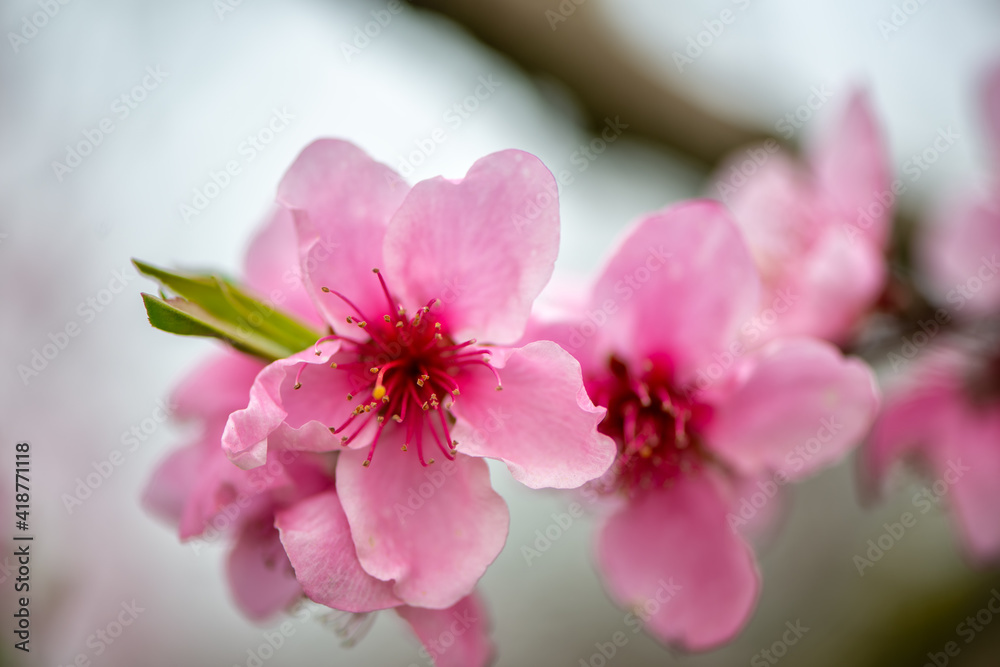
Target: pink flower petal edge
800	406
342	202
455	637
543	406
317	538
682	283
470	244
259	574
433	531
671	558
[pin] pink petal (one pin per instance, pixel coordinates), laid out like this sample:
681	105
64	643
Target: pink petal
317	538
962	256
213	490
682	283
455	637
342	201
280	415
172	482
272	267
909	423
561	314
826	292
485	245
216	387
820	274
219	495
822	267
576	335
197	481
760	507
433	530
957	443
260	576
542	425
933	421
852	166
799	406
967	464
775	208
670	557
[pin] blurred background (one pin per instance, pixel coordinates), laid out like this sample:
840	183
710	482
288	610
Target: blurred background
168	92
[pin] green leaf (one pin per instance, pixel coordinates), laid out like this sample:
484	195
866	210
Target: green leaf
211	306
202	290
181	317
269	320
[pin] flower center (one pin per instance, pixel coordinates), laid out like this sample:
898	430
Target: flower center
654	423
403	370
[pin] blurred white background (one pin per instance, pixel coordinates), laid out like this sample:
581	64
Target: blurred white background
63	239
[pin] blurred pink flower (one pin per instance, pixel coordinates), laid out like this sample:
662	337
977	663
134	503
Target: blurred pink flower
817	232
202	492
421	277
945	411
698	417
945	416
284	520
961	253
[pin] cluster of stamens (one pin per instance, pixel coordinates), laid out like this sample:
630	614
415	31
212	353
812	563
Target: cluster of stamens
653	422
404	370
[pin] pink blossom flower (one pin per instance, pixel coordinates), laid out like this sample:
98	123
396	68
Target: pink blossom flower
961	252
200	490
205	495
698	417
817	232
288	507
422	289
945	416
944	413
